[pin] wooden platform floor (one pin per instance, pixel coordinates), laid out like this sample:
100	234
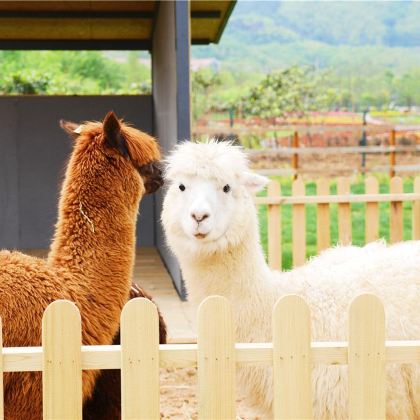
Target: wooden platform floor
150	274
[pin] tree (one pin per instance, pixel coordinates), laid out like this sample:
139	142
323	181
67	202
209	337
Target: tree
201	82
290	91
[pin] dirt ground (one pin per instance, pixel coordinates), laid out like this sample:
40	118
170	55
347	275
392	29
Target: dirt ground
178	396
333	165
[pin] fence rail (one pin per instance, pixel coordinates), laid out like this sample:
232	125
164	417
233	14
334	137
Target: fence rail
274	200
216	356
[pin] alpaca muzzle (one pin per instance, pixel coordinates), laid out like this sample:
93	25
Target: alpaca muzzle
152	176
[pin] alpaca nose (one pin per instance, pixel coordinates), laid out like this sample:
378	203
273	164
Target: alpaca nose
199	216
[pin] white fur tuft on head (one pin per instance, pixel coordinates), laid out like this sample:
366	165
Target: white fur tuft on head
210	160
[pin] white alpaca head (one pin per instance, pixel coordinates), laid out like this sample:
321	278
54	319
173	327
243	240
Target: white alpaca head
209	202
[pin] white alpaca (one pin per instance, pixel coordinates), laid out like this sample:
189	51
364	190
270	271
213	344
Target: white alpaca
211	225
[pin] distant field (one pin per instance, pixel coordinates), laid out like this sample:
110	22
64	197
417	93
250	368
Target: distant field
397	117
358	218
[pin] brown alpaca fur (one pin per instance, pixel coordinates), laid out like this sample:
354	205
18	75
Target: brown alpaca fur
105	403
91	257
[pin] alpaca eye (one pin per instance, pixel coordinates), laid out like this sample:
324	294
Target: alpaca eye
226	188
182	187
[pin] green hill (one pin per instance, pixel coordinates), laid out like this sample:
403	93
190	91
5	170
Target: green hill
362	37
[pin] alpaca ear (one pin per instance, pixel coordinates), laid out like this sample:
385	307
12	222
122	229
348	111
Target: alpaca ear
112	134
71	128
254	182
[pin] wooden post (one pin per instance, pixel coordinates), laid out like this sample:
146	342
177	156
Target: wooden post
366	356
392	154
295	156
274	228
372	211
62	361
323	216
216	361
139	360
416	211
344	213
298	225
396	216
292	365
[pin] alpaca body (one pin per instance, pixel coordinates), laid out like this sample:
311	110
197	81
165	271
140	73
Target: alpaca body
91	257
231	264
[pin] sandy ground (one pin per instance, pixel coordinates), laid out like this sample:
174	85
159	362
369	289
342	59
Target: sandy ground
178	396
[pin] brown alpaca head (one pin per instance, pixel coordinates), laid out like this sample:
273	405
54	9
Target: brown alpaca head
128	150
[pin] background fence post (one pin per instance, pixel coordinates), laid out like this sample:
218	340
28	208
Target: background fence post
344	213
323	216
396	211
416	210
62	361
295	156
366	358
274	228
139	360
298	225
392	141
216	360
292	359
372	211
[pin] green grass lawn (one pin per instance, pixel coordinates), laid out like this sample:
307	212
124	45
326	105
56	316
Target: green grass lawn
357	213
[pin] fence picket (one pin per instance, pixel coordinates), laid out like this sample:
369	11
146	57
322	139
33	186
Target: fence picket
216	360
372	211
274	228
139	360
323	216
62	365
292	359
416	211
298	225
396	212
344	212
1	373
366	358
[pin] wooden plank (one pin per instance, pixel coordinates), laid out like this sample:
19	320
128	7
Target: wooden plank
366	358
416	211
274	228
298	225
331	199
344	212
396	212
29	359
139	360
62	365
216	360
292	359
1	373
323	216
372	211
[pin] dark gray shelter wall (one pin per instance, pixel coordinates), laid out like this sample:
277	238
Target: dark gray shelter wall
33	153
171	98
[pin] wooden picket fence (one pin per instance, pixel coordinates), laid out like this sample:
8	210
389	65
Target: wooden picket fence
344	198
216	355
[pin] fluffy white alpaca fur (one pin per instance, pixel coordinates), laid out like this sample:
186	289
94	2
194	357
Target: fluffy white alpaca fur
221	255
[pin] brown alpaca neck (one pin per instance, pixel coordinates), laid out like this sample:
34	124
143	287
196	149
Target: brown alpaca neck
94	241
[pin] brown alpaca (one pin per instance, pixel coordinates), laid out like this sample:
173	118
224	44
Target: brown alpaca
92	253
105	403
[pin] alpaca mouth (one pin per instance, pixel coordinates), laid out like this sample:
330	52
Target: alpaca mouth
200	235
